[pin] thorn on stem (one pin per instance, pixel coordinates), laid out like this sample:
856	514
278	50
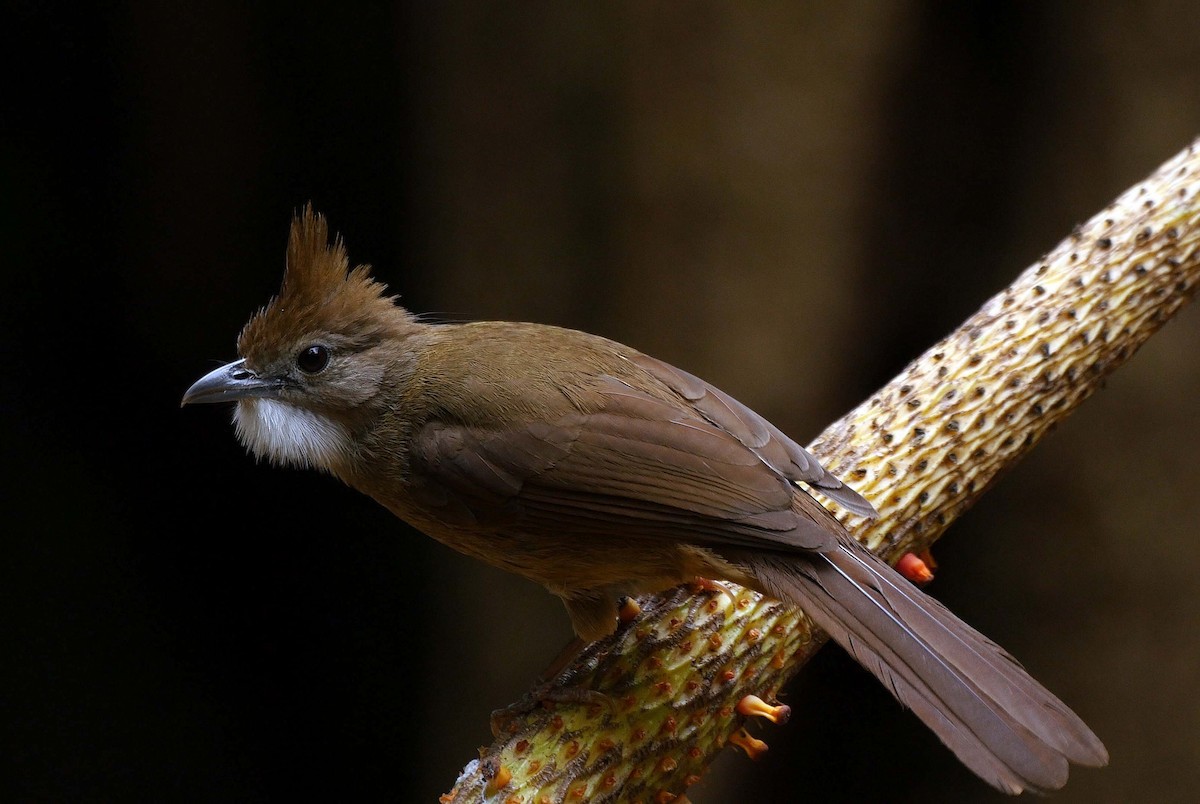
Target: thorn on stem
914	569
753	746
753	706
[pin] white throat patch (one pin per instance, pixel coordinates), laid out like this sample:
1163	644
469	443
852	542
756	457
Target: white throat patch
287	435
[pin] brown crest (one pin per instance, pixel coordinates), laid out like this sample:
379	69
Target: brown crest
320	295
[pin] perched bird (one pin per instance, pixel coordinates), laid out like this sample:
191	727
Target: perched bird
600	472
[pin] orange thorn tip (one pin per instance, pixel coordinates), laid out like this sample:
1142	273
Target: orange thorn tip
753	746
629	610
665	797
926	555
914	569
502	777
753	706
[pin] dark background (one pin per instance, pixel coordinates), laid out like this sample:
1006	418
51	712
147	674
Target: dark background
790	202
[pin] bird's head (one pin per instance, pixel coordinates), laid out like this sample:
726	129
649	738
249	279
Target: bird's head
314	359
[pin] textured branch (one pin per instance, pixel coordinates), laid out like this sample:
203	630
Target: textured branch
642	714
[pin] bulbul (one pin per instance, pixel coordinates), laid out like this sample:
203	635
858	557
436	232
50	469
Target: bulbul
600	472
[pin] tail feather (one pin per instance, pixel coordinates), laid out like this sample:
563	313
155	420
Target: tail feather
981	703
978	657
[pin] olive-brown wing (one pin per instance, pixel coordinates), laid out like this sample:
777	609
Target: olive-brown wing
754	432
633	465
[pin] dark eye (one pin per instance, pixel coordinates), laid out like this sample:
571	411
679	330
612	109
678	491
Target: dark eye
313	359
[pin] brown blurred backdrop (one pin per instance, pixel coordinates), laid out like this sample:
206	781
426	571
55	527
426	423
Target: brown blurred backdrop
790	200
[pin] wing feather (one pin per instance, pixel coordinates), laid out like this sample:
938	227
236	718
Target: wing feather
659	467
757	434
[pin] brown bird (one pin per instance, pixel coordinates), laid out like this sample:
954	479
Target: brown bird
600	472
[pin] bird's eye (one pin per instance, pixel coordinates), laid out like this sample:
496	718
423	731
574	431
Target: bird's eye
313	359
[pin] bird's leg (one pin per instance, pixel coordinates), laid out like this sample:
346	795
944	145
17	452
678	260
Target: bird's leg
568	654
550	689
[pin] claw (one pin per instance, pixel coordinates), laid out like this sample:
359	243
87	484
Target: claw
707	585
503	720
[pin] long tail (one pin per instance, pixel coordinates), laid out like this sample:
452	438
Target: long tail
995	717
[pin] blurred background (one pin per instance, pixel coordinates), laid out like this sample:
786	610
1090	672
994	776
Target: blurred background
791	200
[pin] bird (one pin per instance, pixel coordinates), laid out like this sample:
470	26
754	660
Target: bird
600	472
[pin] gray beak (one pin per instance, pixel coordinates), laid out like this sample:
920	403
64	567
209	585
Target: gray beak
228	383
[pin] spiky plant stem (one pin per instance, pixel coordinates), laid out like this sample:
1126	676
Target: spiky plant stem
643	713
